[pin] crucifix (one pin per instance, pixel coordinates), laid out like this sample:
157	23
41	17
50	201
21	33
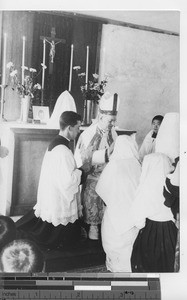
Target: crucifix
53	41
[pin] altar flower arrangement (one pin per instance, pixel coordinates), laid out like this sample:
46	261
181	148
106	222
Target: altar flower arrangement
93	90
27	87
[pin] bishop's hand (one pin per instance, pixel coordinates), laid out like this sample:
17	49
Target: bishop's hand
86	167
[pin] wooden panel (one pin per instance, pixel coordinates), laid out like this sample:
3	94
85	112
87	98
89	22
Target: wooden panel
30	146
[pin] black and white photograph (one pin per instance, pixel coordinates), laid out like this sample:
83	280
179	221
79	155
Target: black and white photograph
90	141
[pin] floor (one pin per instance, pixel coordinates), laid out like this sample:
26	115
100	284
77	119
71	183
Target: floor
88	256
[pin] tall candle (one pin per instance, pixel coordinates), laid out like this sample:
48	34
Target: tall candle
102	64
87	62
23	61
71	68
3	76
43	70
4	59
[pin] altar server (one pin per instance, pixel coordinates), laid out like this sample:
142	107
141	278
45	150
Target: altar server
54	220
148	145
117	186
95	146
154	247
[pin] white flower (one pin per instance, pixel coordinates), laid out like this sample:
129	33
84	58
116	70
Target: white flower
81	74
96	76
10	65
13	73
44	66
37	86
32	70
24	67
76	68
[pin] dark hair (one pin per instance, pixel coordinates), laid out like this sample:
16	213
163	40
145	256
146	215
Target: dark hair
7	231
22	255
158	117
69	118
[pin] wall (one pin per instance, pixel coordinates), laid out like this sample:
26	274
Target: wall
144	69
16	24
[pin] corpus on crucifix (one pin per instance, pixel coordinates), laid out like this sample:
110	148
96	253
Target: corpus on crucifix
53	41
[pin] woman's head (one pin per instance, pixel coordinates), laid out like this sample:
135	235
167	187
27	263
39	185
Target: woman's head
167	140
125	147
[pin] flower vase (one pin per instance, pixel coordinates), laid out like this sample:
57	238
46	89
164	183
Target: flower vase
25	105
90	111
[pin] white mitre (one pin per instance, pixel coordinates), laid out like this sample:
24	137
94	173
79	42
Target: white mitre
109	104
167	140
65	102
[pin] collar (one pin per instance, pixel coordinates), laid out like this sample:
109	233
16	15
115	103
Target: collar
58	140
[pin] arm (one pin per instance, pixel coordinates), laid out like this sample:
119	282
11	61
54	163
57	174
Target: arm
69	176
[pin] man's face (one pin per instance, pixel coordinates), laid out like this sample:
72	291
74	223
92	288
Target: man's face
106	122
74	130
156	125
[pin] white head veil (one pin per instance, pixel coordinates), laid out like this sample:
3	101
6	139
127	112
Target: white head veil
119	180
167	140
149	200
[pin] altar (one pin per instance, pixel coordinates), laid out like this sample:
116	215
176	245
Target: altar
20	170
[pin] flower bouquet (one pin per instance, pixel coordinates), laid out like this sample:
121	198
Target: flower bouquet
26	89
92	91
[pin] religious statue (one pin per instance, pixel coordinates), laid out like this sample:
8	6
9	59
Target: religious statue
52	49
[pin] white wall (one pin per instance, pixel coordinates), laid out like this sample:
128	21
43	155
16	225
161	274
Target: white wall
145	73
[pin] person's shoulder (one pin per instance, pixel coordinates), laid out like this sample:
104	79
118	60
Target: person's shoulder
88	131
148	136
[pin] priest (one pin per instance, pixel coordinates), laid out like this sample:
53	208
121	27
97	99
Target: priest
94	146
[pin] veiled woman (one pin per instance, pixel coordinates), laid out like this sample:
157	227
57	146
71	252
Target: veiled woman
154	247
117	186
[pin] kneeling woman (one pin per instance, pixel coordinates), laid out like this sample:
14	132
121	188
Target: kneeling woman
116	186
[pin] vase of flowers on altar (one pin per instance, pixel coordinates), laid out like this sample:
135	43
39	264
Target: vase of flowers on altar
26	88
92	91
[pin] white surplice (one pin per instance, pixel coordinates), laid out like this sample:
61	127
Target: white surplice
58	199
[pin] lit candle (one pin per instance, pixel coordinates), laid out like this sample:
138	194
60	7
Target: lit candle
4	59
87	62
23	61
102	64
43	67
71	67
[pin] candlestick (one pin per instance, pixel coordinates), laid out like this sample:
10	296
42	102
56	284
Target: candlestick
102	64
23	61
70	69
4	59
3	77
43	66
87	62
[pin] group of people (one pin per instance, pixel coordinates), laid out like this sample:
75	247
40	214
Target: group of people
127	197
